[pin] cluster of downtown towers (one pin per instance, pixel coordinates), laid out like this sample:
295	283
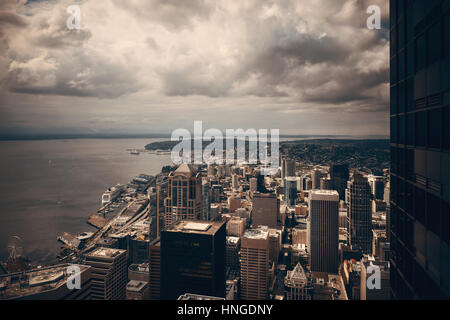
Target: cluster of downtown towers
419	216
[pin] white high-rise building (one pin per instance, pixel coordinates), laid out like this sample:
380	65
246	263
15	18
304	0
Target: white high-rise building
323	231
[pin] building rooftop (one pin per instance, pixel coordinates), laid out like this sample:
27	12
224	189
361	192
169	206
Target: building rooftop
106	252
22	284
143	267
189	296
260	233
136	285
232	240
330	195
185	169
297	277
192	226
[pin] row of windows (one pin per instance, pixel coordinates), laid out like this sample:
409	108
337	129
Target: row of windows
414	274
409	57
428	128
428	209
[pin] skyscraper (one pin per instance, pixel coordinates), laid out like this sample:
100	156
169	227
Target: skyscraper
289	167
266	210
420	149
254	264
377	186
315	177
339	177
206	195
184	200
108	273
290	191
235	181
154	273
193	259
359	213
323	231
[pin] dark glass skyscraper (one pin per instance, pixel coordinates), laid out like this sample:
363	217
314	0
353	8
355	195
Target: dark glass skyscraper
420	149
193	259
339	176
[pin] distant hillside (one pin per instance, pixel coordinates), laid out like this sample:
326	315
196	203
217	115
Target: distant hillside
371	154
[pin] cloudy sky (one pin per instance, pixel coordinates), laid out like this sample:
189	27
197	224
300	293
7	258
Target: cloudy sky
305	67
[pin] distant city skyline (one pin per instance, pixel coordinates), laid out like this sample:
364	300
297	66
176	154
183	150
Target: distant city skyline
154	67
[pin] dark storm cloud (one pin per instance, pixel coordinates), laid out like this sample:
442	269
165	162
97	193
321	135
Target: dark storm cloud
80	75
12	19
282	58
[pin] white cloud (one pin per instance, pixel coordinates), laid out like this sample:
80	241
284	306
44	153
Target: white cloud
195	55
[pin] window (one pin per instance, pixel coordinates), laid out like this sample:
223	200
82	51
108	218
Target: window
401	129
446	36
420	53
410	129
421	129
433	213
401	34
434	43
401	97
435	128
393	71
447	128
394	100
409	53
419	205
410	104
394	129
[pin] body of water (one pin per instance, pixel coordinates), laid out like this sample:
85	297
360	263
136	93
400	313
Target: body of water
48	187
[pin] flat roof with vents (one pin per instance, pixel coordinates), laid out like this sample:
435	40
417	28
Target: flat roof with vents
196	226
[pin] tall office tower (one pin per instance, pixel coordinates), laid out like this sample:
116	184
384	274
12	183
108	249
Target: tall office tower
339	177
289	167
420	149
47	283
235	181
359	213
260	186
154	264
255	264
283	167
266	210
211	171
387	193
233	246
315	177
274	244
184	199
206	195
221	171
377	186
325	184
290	191
323	231
108	273
253	184
227	170
304	182
193	259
